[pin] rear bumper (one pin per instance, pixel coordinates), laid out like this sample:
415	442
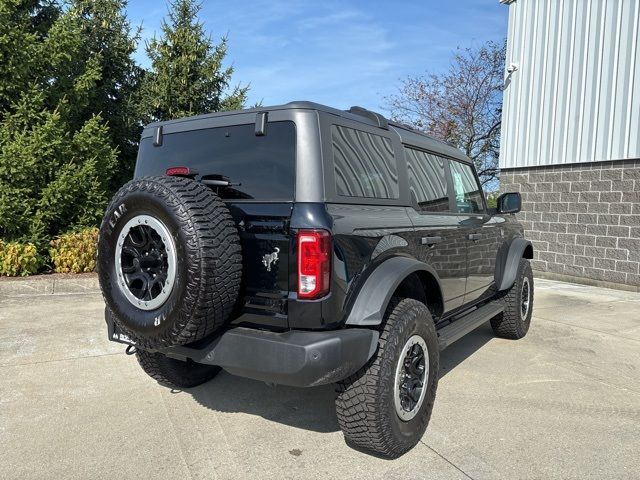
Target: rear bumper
297	358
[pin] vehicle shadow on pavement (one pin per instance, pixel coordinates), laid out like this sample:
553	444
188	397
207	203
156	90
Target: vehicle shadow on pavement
459	351
306	408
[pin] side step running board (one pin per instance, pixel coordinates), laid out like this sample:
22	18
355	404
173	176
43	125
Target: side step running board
459	328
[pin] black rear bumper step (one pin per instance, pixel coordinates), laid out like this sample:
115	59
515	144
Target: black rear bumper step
296	357
459	328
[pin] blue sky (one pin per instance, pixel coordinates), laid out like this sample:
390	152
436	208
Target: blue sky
332	52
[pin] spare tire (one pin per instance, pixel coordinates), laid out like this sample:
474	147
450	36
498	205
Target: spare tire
169	261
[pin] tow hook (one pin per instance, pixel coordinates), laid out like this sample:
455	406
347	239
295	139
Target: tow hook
130	350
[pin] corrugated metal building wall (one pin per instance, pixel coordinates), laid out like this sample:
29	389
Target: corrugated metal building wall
571	136
575	96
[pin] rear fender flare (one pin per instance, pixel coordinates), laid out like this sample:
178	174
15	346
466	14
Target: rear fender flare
375	295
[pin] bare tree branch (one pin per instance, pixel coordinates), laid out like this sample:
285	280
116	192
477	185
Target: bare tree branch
462	106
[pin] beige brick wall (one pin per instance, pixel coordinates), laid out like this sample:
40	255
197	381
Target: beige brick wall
583	219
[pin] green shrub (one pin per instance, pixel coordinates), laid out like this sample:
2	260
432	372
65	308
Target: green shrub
19	259
75	252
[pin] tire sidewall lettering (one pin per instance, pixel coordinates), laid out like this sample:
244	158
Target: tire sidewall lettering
117	213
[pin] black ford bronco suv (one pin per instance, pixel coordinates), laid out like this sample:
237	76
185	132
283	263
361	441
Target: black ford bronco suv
304	245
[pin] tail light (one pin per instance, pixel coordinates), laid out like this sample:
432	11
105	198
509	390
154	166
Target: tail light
181	172
314	263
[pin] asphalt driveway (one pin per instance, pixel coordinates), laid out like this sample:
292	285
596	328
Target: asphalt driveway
562	403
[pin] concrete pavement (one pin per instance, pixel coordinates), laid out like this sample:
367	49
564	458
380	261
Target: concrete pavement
562	403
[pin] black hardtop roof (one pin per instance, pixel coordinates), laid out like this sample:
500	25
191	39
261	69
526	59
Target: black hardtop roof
407	134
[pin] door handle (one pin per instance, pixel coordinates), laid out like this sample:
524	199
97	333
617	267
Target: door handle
474	236
430	240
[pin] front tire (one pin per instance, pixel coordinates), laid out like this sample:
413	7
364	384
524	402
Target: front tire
381	409
173	373
515	321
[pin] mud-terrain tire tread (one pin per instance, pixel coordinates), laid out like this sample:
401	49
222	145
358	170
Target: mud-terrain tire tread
509	324
361	408
213	281
173	373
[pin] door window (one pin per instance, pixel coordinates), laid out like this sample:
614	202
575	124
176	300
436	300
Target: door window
467	191
427	181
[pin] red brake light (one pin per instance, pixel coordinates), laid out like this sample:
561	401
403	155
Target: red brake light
314	262
178	172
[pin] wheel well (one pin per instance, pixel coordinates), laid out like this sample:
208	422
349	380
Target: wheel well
422	286
528	252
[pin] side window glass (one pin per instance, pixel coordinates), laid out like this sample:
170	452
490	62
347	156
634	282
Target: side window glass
427	181
364	164
467	191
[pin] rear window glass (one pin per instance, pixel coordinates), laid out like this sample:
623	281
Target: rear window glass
258	167
427	181
364	164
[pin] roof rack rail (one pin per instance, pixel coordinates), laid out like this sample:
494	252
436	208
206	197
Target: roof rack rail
379	119
407	127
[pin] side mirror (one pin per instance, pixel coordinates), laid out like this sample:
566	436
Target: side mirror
510	202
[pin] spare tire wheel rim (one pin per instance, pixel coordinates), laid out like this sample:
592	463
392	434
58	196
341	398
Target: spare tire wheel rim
145	262
412	374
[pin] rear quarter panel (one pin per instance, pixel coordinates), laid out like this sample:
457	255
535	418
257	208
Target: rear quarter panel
364	236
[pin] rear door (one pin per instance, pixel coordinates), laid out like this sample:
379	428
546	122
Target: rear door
366	203
439	237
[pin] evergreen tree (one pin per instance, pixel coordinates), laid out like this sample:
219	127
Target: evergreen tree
23	25
18	51
54	166
51	179
107	44
187	75
42	13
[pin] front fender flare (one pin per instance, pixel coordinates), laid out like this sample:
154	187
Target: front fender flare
375	295
508	261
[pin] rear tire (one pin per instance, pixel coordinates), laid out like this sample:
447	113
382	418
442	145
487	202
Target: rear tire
174	373
370	403
514	322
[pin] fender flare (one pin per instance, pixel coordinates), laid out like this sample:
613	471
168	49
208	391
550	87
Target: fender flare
508	261
375	295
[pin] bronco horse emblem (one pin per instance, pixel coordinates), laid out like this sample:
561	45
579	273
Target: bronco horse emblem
270	258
